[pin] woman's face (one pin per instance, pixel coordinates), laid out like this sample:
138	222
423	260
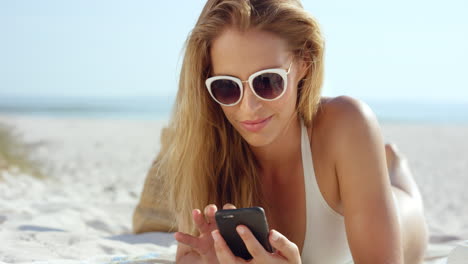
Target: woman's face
242	54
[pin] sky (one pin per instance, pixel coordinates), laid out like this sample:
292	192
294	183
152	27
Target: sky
379	50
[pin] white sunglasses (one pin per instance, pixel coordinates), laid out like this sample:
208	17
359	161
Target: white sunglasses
268	85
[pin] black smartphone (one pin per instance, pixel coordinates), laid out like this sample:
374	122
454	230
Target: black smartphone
252	217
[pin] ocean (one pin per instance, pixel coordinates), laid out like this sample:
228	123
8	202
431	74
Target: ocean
159	108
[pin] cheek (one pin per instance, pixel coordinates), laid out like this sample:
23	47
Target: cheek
229	112
287	102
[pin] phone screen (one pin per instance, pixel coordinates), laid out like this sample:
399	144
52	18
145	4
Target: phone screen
252	217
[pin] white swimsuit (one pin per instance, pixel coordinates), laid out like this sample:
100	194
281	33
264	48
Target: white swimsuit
325	237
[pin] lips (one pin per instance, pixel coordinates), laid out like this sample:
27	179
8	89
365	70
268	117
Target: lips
255	125
251	122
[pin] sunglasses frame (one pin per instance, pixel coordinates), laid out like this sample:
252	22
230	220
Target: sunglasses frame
282	72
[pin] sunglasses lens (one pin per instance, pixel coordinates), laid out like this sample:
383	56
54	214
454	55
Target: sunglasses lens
268	85
225	91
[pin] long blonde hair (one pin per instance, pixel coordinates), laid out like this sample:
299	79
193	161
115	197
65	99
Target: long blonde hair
202	158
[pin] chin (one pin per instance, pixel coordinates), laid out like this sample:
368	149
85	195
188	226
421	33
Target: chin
257	139
260	138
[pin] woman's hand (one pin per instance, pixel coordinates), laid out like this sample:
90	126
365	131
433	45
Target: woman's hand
203	244
286	251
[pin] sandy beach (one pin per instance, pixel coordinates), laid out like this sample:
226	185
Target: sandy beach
95	169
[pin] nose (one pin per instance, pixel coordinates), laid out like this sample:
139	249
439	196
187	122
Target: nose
249	102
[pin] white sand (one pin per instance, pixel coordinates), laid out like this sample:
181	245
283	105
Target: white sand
96	169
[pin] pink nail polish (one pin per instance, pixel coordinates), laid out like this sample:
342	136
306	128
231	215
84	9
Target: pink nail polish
274	235
241	230
215	235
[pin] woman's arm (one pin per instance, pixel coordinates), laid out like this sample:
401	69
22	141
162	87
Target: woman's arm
370	214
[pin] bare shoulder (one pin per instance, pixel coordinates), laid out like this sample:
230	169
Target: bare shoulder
344	109
336	115
352	134
338	121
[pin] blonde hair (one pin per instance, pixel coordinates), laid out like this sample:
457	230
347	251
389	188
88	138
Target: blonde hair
203	159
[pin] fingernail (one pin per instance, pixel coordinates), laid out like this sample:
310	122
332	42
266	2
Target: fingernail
240	230
215	235
274	235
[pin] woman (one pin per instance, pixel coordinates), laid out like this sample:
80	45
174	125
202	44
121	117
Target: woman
250	128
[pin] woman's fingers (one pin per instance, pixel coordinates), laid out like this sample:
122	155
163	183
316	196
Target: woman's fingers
206	222
187	239
200	221
286	248
229	206
223	252
210	211
256	249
